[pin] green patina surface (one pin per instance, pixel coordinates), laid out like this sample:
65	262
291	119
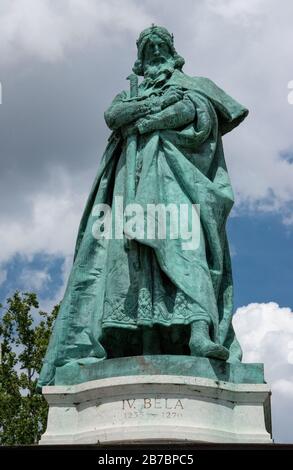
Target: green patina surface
76	372
150	296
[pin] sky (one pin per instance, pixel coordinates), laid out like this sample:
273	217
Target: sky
61	64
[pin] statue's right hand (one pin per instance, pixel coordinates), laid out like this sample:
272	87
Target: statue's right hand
131	129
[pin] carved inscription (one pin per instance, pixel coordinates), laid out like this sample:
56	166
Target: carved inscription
154	406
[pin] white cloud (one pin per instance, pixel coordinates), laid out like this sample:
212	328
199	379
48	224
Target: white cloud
51	229
46	29
34	279
237	9
3	276
265	332
48	303
52	225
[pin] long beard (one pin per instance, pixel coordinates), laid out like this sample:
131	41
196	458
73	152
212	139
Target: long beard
154	71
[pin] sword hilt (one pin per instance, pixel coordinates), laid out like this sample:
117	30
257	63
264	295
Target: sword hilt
133	80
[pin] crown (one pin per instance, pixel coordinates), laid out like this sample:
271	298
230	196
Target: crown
154	29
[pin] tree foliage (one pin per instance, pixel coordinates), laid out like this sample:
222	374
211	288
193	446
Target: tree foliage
24	333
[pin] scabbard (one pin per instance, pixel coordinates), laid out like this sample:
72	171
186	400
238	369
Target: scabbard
131	150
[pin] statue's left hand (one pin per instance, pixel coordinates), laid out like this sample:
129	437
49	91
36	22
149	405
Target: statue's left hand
171	96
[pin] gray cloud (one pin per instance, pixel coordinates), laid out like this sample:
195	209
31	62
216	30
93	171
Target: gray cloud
61	66
63	63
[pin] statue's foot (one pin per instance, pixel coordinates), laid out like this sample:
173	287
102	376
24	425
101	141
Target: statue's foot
235	351
208	349
84	361
201	345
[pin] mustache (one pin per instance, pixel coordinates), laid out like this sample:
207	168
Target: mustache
153	70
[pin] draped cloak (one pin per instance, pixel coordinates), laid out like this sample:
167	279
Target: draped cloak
153	281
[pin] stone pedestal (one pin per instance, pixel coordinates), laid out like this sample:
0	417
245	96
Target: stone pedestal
149	407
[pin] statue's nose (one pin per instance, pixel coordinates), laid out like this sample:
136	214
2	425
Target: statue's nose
157	50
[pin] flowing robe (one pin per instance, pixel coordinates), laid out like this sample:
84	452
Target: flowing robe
119	287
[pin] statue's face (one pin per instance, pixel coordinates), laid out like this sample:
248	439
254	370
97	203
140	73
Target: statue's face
156	52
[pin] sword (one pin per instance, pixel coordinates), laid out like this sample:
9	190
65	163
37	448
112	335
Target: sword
131	150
